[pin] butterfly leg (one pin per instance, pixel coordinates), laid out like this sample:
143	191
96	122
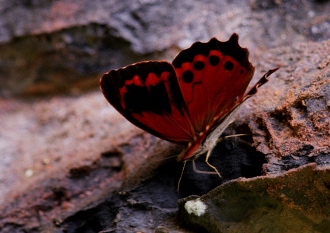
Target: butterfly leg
210	165
207	162
209	154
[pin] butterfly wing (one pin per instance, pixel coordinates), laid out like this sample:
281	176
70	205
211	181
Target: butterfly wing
149	96
186	101
208	139
213	77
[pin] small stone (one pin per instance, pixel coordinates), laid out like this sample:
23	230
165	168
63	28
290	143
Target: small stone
29	173
196	207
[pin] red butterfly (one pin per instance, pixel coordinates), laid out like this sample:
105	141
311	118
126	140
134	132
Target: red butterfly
190	101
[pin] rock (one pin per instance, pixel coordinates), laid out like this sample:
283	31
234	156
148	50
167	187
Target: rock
69	162
295	201
296	131
64	46
55	163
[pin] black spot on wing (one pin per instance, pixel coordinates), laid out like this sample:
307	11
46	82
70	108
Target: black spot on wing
229	65
214	60
199	65
188	76
230	48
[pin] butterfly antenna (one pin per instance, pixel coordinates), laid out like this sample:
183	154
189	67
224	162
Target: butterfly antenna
184	166
170	157
231	136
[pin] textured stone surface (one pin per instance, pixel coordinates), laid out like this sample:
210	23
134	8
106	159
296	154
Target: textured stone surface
297	201
297	130
56	162
63	46
70	162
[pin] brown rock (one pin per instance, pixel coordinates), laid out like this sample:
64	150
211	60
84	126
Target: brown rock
64	46
71	162
296	201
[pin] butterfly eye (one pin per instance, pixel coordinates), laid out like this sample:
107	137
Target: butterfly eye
214	60
229	65
199	65
188	76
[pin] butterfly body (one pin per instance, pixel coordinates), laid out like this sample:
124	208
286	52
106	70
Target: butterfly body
207	139
190	101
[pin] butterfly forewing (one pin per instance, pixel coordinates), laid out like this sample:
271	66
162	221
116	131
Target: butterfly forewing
213	77
149	96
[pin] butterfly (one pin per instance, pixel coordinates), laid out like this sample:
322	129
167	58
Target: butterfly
189	102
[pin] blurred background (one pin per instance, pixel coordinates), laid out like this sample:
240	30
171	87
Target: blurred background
64	46
59	138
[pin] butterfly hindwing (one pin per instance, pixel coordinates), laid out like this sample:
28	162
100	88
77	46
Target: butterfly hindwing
148	95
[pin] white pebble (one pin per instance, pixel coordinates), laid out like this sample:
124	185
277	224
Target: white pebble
196	207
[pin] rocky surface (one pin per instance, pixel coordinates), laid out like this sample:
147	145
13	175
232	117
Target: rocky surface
63	46
276	203
71	163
